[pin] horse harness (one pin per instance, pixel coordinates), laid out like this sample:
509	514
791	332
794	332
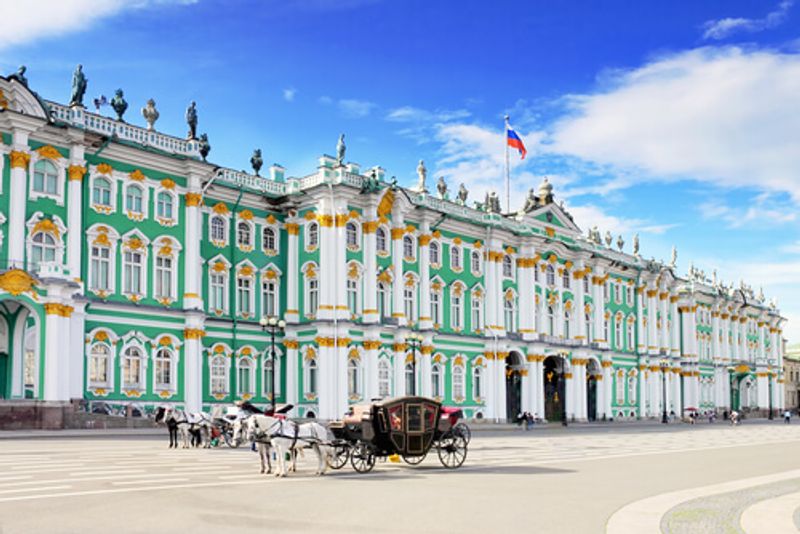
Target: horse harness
294	436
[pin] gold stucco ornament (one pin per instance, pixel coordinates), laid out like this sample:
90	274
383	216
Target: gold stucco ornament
16	282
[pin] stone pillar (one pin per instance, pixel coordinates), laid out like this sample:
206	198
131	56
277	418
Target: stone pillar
578	308
193	361
500	386
17	194
525	267
735	338
726	349
292	394
75	174
497	295
674	341
762	389
569	388
663	342
425	319
77	327
643	391
677	401
397	267
652	322
598	281
641	347
558	309
292	275
425	367
371	348
540	302
56	386
370	312
606	383
192	262
399	349
579	368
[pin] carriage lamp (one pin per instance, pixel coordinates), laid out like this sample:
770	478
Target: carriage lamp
414	339
272	325
664	367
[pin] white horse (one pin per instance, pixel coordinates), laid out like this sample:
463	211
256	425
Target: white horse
242	432
289	437
186	424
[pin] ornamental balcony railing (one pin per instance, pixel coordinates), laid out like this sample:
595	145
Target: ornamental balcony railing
251	181
77	116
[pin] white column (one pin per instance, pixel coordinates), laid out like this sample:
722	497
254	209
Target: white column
652	321
569	389
559	307
76	323
371	275
292	276
726	349
75	174
677	404
489	384
533	384
607	382
578	312
527	324
762	389
371	348
193	361
643	393
674	342
540	302
640	344
192	264
399	366
663	343
580	385
397	266
17	194
292	354
498	298
56	364
500	386
735	338
598	283
425	319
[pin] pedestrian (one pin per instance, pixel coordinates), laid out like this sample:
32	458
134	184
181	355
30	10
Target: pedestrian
787	417
734	418
528	421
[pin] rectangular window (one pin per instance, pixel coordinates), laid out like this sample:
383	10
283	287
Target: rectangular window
436	309
244	292
132	275
455	311
313	296
217	294
163	278
101	266
408	303
270	296
352	296
477	309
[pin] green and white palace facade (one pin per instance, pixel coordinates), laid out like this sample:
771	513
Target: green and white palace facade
132	271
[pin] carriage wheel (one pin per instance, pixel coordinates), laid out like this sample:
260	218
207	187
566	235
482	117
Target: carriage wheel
362	459
452	450
229	441
461	429
414	460
341	453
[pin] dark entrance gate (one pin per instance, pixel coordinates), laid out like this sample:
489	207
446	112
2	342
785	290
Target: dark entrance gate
591	398
553	389
513	388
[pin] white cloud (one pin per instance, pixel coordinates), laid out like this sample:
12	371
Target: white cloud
412	114
355	109
761	209
722	28
721	115
21	23
289	93
791	248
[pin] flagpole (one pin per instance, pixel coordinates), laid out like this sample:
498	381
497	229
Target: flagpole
507	177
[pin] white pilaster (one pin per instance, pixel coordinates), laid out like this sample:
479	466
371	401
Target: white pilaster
75	174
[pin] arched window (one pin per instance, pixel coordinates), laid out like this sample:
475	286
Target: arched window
620	387
218	228
384	378
353	389
268	241
101	192
456	308
508	269
551	275
434	253
268	362
477	310
100	268
458	383
352	296
163	276
408	248
436	307
629	336
588	320
567	318
99	364
243	237
219	375
436	380
313	235
163	369
631	389
606	337
551	321
476	261
380	240
312	291
351	234
410	380
455	257
43	248
164	205
133	199
45	177
409	302
566	278
244	377
477	382
132	368
384	302
618	342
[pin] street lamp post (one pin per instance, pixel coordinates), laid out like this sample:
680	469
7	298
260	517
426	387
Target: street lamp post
664	368
272	325
414	340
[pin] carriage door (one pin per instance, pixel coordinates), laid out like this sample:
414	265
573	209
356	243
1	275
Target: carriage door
415	429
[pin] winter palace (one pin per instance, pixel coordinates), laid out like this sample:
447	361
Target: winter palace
133	271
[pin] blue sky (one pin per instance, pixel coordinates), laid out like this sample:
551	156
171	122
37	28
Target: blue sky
676	120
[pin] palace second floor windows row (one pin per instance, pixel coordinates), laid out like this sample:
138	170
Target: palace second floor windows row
254	294
247	235
138	200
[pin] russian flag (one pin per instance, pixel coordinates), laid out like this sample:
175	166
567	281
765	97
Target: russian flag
514	141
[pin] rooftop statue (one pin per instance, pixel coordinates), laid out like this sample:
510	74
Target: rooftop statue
256	161
20	75
78	87
119	104
492	202
609	239
371	184
340	150
636	245
441	187
204	146
150	114
620	242
674	258
422	174
462	195
191	120
531	201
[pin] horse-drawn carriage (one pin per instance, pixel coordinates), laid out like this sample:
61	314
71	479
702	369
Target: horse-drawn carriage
404	426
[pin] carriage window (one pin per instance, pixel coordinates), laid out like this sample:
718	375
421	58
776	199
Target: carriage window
396	418
430	416
414	418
